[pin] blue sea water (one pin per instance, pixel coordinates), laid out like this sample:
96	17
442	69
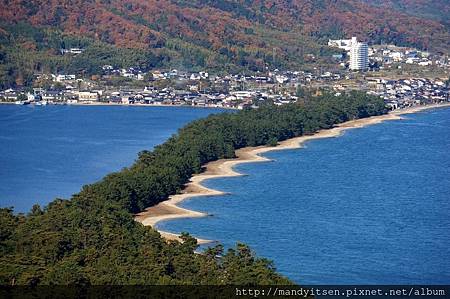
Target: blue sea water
369	207
52	151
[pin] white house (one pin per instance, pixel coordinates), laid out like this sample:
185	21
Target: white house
60	78
88	96
344	44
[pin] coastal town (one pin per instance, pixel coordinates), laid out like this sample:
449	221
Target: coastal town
403	77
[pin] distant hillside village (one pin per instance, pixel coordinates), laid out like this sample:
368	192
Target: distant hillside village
362	57
357	67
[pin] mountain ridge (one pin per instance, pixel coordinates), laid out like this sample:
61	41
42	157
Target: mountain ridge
226	35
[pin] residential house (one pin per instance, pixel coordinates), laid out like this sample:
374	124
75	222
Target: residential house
88	96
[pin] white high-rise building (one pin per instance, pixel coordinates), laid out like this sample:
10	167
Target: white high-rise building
359	55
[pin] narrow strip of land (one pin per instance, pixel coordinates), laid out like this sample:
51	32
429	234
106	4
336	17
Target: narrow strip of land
169	209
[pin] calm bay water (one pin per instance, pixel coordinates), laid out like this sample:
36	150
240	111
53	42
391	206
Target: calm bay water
48	152
369	207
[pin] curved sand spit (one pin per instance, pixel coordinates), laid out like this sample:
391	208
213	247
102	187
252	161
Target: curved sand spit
169	209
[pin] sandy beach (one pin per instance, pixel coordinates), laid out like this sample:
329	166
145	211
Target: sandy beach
169	209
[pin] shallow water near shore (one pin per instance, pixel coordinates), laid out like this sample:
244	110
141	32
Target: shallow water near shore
48	152
369	207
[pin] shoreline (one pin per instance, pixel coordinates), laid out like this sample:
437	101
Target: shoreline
124	105
169	209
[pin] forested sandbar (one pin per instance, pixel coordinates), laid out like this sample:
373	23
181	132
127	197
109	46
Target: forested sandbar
169	209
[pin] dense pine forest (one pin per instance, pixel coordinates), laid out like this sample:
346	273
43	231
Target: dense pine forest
92	238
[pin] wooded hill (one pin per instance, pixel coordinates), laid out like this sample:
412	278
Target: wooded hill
434	10
228	35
